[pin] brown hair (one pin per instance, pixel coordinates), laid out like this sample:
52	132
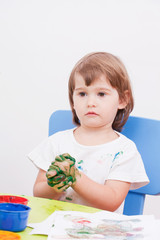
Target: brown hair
90	67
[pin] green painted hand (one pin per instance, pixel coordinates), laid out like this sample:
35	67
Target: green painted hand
62	173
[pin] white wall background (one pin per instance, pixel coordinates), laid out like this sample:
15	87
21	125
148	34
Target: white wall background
40	41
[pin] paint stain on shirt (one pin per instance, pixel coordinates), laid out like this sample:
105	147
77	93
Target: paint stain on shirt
80	163
116	156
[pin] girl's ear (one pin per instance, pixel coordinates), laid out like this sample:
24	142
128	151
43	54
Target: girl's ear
124	101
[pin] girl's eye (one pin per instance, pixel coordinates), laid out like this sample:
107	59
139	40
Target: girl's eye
82	94
101	94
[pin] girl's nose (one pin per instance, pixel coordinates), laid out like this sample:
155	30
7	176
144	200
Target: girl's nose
91	101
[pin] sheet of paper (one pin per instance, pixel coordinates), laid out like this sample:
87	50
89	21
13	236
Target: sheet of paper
43	227
102	225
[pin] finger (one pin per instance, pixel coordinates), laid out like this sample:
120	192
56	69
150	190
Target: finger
56	180
64	166
51	173
66	155
59	178
66	181
72	160
60	158
59	187
55	168
65	187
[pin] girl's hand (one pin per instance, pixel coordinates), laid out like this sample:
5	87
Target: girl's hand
66	164
59	182
62	173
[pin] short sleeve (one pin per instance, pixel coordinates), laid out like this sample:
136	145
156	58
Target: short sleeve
43	154
129	167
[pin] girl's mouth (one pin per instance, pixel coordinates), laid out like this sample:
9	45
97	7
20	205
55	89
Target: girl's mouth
91	114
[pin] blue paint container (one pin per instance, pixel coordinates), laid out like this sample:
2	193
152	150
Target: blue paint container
13	216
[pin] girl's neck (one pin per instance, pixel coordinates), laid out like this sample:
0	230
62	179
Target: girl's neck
94	136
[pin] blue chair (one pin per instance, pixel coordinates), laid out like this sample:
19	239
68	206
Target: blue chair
146	135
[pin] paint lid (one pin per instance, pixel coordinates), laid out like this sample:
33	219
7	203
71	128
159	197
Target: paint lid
13	199
5	235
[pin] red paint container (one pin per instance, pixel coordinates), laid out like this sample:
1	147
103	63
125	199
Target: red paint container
13	199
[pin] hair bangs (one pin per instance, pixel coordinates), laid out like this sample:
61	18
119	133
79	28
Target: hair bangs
89	72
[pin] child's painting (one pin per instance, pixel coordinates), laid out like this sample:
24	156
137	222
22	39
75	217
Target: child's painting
101	225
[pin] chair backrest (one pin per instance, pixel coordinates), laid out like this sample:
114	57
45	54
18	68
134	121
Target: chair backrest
146	135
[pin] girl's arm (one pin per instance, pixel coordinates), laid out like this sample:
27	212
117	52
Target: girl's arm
107	197
42	189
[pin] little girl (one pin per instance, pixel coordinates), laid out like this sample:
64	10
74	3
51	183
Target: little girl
92	164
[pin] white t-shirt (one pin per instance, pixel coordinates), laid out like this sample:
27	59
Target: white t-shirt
116	160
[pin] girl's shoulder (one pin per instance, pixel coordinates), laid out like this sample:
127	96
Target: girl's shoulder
127	142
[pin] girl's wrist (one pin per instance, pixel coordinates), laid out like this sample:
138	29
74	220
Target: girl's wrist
77	178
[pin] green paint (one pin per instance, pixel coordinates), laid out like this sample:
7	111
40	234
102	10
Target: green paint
65	177
81	161
68	198
83	232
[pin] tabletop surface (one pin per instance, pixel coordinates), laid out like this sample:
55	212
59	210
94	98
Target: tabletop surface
41	208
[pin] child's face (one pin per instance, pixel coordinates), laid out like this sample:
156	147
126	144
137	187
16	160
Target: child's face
96	105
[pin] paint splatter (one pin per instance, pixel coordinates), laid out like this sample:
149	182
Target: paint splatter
80	166
68	198
116	156
81	161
